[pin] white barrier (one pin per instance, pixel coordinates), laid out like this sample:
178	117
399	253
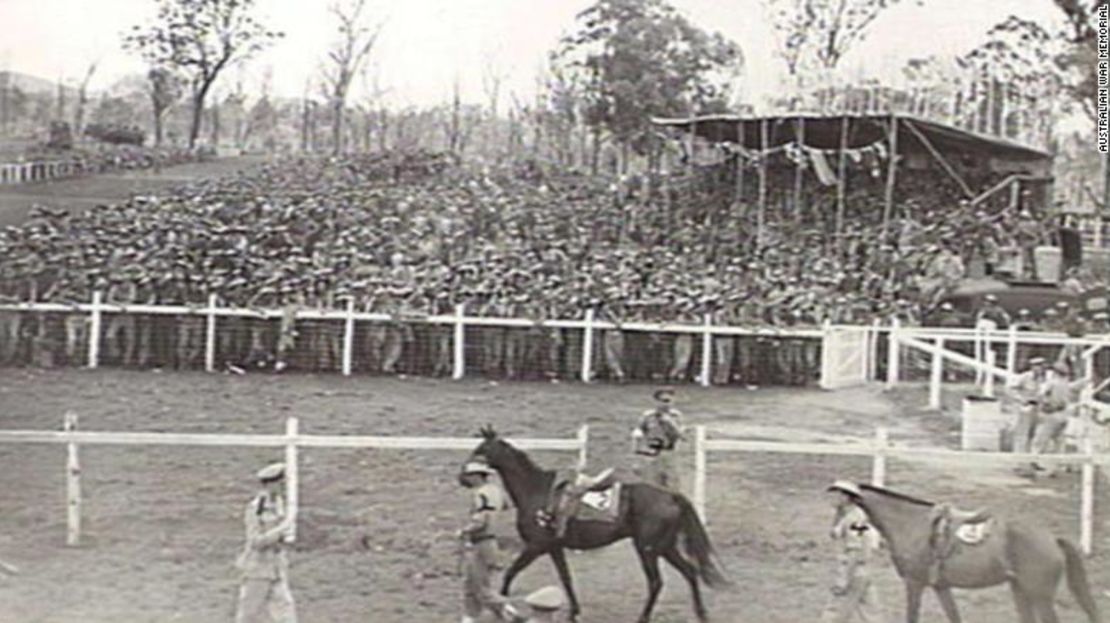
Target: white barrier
291	441
880	449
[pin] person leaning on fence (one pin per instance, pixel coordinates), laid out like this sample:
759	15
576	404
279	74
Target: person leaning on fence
655	438
480	552
264	593
1022	396
1058	401
854	596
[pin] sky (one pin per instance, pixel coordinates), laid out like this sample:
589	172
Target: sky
427	44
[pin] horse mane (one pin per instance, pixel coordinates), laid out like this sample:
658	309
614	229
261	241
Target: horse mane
896	495
521	456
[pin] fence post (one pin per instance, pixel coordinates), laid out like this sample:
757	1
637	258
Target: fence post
94	331
892	356
210	335
878	464
292	484
73	485
1011	351
588	346
348	337
1087	499
873	351
706	350
988	383
459	369
583	441
937	377
699	471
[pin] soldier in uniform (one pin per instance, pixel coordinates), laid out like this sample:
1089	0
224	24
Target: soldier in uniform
854	594
480	554
656	436
264	587
1022	396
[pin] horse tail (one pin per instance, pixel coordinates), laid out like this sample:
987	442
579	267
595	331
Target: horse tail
1077	580
698	546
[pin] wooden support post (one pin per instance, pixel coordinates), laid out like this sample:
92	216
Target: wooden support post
699	471
873	351
583	448
94	331
210	335
891	173
349	337
760	213
459	369
878	463
292	477
936	380
800	136
73	485
841	183
1087	499
892	356
1011	350
588	346
988	383
707	351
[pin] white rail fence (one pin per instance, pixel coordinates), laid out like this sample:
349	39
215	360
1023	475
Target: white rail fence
38	170
880	449
291	441
459	321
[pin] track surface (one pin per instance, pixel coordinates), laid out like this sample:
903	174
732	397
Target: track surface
162	525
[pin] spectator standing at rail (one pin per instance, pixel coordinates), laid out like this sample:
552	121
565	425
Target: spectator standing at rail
480	552
1022	395
655	438
264	588
1059	399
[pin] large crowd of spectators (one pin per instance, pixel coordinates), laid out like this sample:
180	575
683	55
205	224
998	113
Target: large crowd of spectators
420	233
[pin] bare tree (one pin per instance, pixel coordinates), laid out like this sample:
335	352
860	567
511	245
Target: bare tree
164	89
83	99
354	44
200	38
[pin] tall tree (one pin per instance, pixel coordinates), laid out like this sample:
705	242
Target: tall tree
200	38
642	58
1079	61
164	89
354	44
83	99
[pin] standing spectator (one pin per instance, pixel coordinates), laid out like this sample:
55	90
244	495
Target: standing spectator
481	555
1022	397
855	597
656	436
264	589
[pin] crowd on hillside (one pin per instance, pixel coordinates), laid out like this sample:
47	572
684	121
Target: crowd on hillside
421	233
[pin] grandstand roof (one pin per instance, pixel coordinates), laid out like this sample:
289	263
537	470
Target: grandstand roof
823	132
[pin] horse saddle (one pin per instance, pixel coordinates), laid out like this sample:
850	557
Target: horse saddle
583	497
951	524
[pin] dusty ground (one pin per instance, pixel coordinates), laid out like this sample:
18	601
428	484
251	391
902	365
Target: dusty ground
86	192
162	525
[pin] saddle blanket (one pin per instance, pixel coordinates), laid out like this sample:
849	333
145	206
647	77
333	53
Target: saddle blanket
974	533
600	505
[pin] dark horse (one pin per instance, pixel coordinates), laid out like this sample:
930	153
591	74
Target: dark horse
1029	559
652	517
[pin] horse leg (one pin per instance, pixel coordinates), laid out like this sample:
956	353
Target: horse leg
649	561
559	557
688	571
1046	610
523	560
913	601
947	603
1021	601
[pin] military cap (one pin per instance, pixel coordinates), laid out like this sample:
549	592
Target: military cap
991	298
845	486
1037	361
548	598
663	391
272	472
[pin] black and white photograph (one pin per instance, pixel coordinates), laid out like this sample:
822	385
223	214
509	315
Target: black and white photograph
549	311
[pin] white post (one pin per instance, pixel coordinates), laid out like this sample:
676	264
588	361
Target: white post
892	356
873	350
977	345
699	471
937	378
878	464
1011	351
988	383
583	443
348	337
588	346
1087	499
73	485
292	484
94	331
706	351
210	336
459	368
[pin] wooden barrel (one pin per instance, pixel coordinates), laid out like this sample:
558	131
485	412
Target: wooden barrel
983	422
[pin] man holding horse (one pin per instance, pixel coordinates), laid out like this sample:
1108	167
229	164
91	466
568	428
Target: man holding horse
264	589
656	436
480	554
854	594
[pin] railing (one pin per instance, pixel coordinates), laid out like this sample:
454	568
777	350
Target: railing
39	170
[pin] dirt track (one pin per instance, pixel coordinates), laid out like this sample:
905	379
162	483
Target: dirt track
162	525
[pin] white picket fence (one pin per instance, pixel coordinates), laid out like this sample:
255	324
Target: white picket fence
880	449
291	441
37	171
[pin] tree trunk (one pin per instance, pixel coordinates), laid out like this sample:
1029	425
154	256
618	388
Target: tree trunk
595	153
158	114
337	127
198	112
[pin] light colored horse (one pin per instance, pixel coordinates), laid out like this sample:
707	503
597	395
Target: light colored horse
1030	559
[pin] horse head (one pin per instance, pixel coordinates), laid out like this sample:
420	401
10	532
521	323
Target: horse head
492	450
